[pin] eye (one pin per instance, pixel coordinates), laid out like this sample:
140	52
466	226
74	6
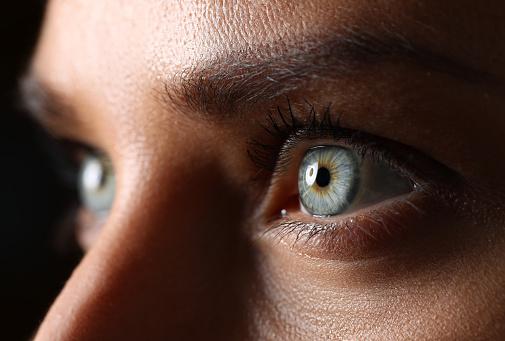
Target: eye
333	180
87	175
345	198
96	184
338	193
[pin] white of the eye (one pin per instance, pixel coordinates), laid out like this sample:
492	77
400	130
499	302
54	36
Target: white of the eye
92	175
311	173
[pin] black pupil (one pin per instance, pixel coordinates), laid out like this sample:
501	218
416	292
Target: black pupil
323	177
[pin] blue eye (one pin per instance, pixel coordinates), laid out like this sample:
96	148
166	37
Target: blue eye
333	180
97	184
328	179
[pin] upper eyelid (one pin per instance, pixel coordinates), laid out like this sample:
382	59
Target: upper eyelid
295	128
415	166
51	109
41	100
289	127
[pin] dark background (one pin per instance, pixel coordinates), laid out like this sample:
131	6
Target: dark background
32	199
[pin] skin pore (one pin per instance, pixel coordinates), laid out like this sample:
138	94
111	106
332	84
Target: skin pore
174	93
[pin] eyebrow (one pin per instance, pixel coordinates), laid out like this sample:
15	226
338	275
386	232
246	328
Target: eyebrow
46	105
231	83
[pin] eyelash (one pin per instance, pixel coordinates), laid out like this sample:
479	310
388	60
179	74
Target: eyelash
284	132
287	129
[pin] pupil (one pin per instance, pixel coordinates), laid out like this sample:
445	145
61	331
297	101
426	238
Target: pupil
323	177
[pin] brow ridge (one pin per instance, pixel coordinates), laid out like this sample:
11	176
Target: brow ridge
231	83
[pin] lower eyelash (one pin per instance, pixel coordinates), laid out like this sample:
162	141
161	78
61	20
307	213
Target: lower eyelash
355	236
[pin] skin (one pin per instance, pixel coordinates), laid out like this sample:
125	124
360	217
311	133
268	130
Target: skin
177	258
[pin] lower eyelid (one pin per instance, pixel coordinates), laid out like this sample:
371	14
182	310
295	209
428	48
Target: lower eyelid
366	233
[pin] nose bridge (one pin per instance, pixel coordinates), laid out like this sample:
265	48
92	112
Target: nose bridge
171	263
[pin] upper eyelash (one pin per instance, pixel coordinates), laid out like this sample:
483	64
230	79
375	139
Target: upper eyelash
286	128
283	126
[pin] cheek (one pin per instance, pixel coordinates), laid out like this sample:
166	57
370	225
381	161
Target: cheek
438	295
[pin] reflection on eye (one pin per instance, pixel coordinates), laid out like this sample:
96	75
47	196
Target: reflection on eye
327	180
334	179
97	184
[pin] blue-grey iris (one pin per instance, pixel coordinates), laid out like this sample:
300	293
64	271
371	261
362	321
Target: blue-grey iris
328	180
97	184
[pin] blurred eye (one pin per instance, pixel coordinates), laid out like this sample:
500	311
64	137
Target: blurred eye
333	180
97	184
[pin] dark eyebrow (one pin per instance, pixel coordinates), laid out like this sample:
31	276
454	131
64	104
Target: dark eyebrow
233	82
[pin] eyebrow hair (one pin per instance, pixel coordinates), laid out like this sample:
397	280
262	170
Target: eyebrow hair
233	82
237	80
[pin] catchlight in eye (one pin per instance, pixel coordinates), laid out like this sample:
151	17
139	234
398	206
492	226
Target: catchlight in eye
97	184
328	179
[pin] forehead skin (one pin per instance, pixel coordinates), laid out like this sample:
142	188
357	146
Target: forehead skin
111	58
118	55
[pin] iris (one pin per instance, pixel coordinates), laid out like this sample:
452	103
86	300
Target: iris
97	184
328	180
